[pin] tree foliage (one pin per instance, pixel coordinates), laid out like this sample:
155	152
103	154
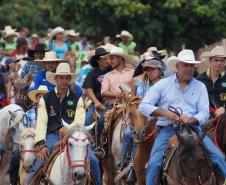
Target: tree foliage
163	23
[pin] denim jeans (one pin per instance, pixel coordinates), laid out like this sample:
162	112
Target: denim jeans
51	139
160	146
14	167
89	115
127	142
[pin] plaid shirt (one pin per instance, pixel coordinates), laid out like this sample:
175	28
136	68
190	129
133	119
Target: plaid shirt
30	118
31	66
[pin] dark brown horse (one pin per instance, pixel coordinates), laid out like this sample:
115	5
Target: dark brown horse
188	162
144	133
216	130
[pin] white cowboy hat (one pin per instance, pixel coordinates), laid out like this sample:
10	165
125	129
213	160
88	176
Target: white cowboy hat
56	30
34	35
117	51
7	28
217	51
62	69
185	56
50	56
125	33
42	89
72	33
9	33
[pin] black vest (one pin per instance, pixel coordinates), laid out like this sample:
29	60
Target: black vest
57	110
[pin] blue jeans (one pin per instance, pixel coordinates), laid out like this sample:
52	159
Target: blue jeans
101	122
127	142
51	139
89	115
14	167
162	143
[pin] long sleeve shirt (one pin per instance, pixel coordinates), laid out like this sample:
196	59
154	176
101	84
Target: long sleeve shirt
193	100
42	119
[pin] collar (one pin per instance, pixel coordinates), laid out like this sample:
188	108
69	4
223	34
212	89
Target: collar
209	71
177	81
124	70
55	89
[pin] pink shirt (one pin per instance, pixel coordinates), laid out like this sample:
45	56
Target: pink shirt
113	79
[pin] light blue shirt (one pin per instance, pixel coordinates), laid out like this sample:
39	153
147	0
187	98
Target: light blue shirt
193	100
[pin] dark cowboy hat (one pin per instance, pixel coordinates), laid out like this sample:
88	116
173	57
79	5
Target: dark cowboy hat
38	48
100	51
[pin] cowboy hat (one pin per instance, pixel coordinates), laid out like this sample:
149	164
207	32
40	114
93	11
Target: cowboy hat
217	51
125	33
34	35
9	33
62	69
42	89
117	51
56	30
100	51
7	28
38	48
159	53
185	56
72	33
50	56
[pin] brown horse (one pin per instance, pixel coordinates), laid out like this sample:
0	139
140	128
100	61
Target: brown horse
216	130
144	133
188	162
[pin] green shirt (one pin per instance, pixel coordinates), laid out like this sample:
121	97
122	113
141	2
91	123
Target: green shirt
128	49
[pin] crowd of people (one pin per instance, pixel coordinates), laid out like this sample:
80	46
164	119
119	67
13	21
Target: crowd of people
68	78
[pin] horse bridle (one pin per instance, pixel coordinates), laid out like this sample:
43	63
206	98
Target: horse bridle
4	148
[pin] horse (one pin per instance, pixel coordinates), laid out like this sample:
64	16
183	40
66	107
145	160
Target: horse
188	162
28	152
10	119
71	164
144	133
216	130
115	123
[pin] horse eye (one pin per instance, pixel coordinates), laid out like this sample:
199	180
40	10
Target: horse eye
70	144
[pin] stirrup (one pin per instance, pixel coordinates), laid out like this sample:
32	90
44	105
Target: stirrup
99	152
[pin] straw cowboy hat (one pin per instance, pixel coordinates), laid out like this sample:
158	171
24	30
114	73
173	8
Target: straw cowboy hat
117	51
42	89
9	33
125	33
72	33
217	51
56	30
159	53
185	56
50	56
7	28
62	69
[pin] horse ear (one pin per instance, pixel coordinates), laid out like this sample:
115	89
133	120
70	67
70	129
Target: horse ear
88	128
65	124
12	114
180	138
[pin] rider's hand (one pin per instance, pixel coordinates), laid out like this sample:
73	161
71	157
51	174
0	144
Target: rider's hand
43	153
186	119
219	112
172	116
99	106
63	131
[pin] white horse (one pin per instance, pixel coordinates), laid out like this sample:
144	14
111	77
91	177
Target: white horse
28	152
72	165
10	118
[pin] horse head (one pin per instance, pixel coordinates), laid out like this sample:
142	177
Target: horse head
27	148
77	145
139	122
190	153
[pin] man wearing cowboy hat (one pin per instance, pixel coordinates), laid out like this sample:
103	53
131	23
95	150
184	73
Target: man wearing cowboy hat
49	62
35	54
121	75
57	105
127	43
179	90
215	80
